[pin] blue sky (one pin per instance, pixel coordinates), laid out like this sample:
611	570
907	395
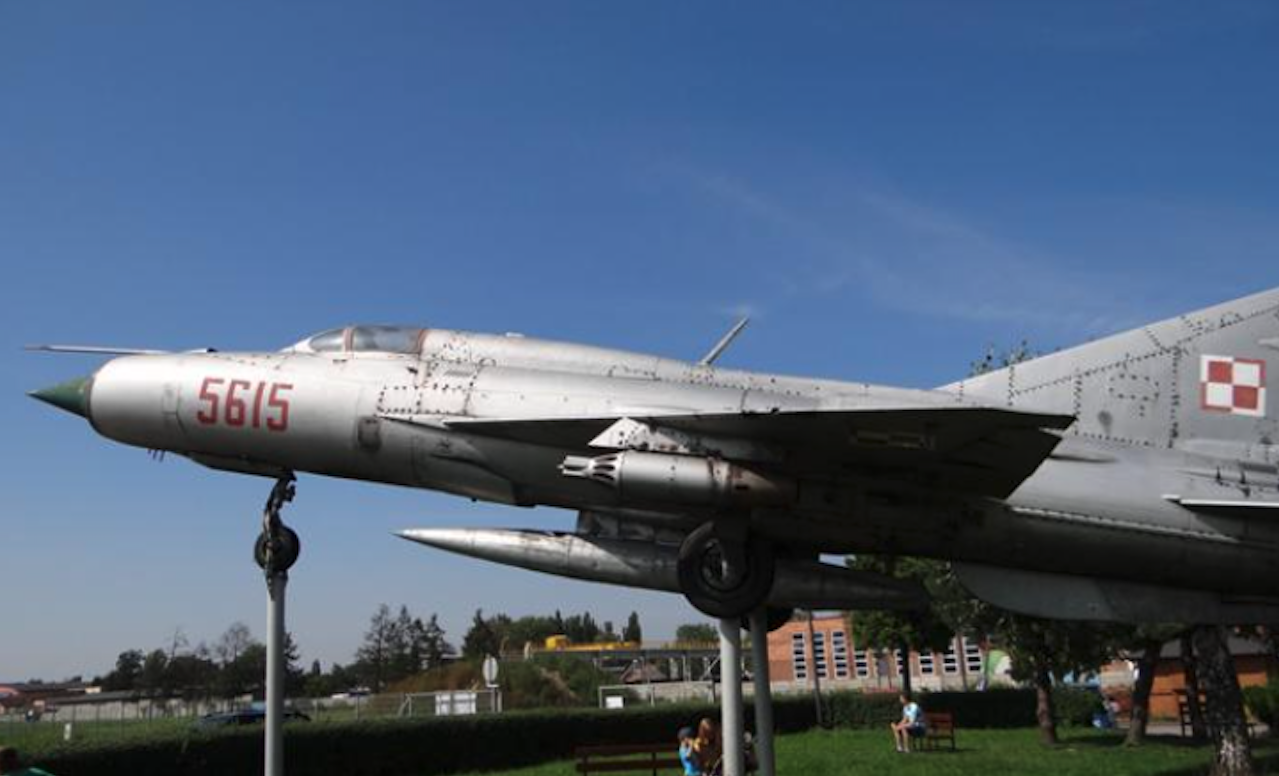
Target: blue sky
887	187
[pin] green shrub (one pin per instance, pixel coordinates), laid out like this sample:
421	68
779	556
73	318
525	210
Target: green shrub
1001	708
1263	702
865	710
440	745
1075	706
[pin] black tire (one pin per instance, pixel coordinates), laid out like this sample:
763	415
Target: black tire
285	553
716	594
774	618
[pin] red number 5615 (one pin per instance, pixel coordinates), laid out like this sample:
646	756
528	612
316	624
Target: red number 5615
241	403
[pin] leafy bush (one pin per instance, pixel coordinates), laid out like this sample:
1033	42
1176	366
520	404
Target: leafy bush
866	710
1076	706
443	745
1001	708
1263	702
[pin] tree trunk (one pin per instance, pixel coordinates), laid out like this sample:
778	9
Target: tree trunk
1225	715
905	672
1141	692
1197	727
1044	711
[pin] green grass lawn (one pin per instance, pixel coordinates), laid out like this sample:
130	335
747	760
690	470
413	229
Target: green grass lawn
981	753
46	736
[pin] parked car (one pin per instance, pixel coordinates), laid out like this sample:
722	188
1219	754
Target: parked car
250	716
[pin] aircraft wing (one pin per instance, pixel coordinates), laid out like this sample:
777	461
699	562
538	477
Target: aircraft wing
981	450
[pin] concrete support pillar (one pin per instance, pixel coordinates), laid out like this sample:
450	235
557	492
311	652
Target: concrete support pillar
732	725
764	751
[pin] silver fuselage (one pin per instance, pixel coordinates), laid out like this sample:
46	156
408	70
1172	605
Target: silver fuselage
1097	506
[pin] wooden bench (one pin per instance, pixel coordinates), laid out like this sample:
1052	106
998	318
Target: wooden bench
1183	714
939	726
615	758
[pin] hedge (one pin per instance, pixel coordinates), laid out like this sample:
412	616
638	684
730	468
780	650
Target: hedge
444	745
1263	702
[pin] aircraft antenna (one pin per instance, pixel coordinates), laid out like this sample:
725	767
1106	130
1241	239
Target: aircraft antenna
724	342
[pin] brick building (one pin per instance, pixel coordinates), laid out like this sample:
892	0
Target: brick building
833	655
1253	663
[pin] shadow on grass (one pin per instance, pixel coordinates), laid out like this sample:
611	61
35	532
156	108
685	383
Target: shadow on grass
1267	763
1265	750
1108	740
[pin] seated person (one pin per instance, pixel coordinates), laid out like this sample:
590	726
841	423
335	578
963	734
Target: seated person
9	765
708	748
910	726
688	757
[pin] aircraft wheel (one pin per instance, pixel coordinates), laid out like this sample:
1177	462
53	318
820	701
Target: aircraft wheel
774	618
724	577
281	551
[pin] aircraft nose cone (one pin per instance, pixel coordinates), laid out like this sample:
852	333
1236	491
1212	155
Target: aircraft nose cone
72	396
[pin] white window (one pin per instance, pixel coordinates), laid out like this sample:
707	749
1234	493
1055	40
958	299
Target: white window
897	661
972	656
799	656
861	663
819	654
950	659
839	650
926	666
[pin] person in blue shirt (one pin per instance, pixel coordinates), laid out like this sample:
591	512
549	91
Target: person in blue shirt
9	765
688	757
911	725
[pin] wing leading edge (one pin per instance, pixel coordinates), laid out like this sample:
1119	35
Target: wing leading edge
986	451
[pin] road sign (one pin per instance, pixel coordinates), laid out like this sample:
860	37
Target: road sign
490	671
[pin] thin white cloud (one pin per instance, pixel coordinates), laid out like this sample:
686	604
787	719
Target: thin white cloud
911	257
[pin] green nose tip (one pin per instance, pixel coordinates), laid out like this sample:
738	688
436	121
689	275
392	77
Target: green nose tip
72	396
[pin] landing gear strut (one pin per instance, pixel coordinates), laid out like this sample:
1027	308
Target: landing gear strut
277	547
276	550
723	575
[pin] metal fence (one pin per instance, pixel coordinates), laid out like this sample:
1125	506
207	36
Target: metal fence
83	719
619	696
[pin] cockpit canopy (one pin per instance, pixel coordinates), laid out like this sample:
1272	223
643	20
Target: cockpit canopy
365	339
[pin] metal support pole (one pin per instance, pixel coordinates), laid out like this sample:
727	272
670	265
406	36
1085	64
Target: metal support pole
732	717
276	550
813	671
276	585
763	694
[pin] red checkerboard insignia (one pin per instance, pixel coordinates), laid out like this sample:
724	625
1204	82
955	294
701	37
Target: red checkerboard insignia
1236	386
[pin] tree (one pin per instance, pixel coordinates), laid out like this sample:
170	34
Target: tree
294	676
582	628
1224	714
151	680
247	675
373	658
1043	652
696	633
482	639
127	672
192	674
435	649
402	659
233	641
920	629
632	632
338	679
1149	641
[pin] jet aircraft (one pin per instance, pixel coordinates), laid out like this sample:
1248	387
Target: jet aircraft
1134	478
